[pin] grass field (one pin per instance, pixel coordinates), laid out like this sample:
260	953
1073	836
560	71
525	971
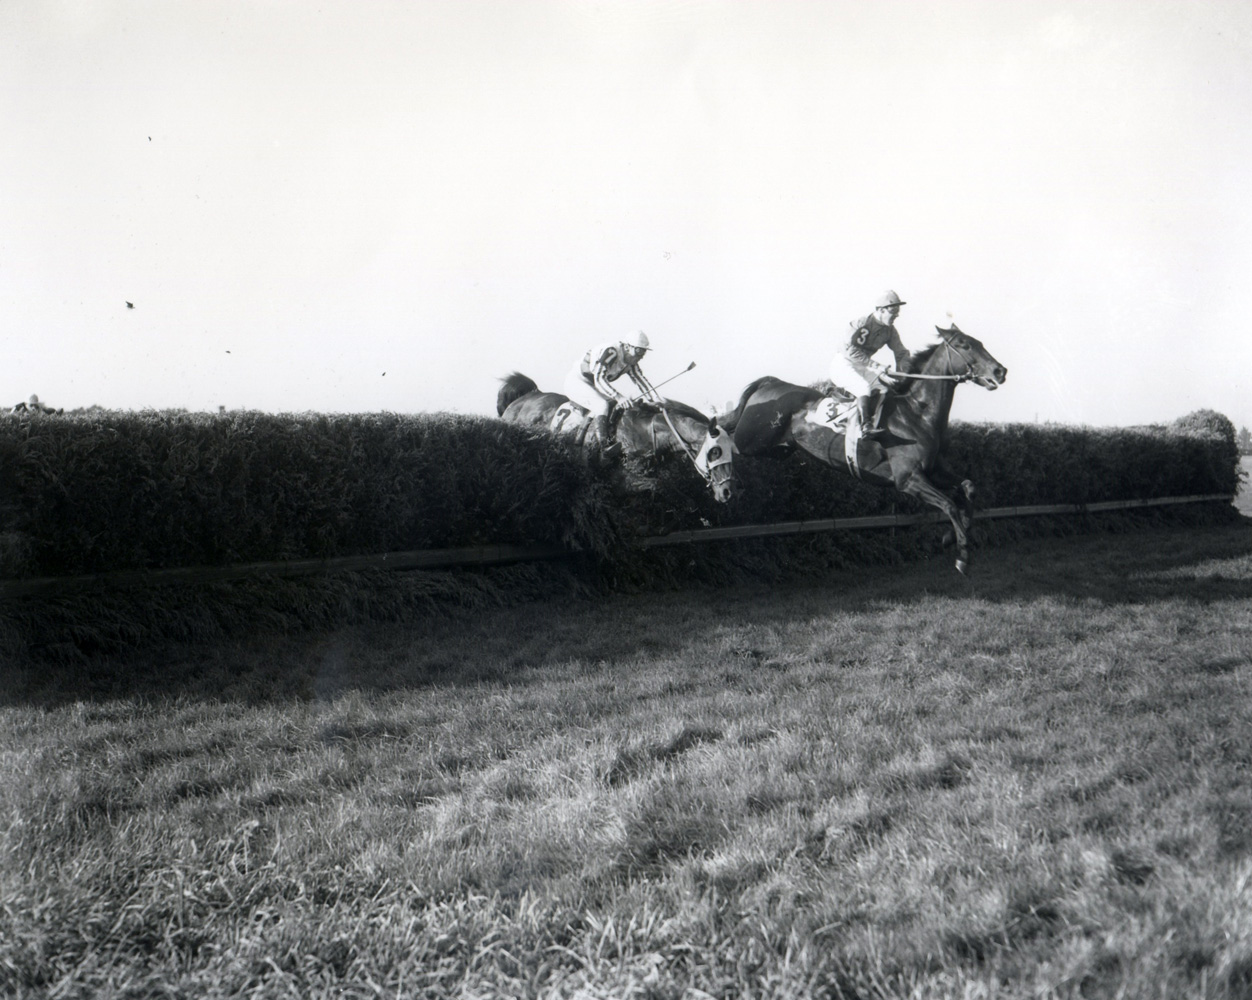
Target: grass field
898	783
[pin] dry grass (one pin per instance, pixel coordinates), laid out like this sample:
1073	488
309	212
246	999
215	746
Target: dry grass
1038	783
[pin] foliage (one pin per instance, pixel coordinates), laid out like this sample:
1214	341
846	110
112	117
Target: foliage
101	490
98	490
112	491
1022	464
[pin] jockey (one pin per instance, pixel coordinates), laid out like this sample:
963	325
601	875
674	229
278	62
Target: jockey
854	365
590	382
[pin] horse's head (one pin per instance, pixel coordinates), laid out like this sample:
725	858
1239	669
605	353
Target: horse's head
677	427
968	357
715	461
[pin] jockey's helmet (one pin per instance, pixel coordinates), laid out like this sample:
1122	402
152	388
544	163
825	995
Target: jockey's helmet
887	299
636	338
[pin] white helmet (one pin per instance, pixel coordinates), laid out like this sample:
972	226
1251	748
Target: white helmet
636	338
888	298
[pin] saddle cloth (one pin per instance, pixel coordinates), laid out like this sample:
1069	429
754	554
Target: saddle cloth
565	412
843	416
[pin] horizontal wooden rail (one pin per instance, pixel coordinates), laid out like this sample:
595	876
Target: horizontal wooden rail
489	555
482	555
904	520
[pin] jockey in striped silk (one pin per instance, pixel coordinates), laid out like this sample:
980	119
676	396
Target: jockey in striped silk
590	382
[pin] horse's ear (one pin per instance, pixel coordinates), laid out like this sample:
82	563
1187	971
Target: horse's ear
948	329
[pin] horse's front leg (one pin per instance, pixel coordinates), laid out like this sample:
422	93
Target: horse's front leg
919	486
962	490
963	493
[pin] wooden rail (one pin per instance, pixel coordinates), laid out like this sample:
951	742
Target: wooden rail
482	555
488	555
904	520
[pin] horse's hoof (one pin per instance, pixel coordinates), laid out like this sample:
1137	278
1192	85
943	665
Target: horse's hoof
962	567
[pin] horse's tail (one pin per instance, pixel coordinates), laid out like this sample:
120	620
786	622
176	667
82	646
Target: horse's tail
729	421
513	386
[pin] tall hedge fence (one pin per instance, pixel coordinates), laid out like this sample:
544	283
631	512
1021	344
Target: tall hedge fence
106	491
115	491
99	491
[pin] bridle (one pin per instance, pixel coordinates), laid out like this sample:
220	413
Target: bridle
964	376
649	392
706	472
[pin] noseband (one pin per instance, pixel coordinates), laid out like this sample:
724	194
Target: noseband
692	453
966	375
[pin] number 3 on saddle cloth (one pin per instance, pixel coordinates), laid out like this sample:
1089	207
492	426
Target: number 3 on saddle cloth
841	413
775	416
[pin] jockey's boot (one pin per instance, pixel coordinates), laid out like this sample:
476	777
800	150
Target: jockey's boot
871	415
609	448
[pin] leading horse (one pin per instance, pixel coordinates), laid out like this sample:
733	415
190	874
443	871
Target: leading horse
641	429
774	416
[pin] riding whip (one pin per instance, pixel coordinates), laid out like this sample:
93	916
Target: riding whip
649	387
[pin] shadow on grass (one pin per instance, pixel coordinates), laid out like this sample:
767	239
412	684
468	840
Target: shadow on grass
490	640
1202	564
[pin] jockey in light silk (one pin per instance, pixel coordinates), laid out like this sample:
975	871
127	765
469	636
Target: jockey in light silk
590	382
854	367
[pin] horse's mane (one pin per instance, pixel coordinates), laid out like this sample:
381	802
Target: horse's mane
919	358
641	416
674	406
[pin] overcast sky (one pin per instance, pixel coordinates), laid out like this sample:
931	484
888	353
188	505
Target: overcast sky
300	197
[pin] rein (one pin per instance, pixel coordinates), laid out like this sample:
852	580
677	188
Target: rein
687	449
693	454
964	376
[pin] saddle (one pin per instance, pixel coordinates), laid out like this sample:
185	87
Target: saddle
574	420
840	411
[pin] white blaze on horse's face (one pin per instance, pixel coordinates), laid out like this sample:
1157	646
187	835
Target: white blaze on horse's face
715	460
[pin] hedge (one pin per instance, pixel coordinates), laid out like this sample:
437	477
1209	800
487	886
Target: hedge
115	491
98	491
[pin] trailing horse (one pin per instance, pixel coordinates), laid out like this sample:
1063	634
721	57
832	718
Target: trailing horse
641	429
773	417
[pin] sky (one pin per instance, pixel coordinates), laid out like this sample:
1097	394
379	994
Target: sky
340	206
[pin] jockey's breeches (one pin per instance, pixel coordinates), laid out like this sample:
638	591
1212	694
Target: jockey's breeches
844	375
584	394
